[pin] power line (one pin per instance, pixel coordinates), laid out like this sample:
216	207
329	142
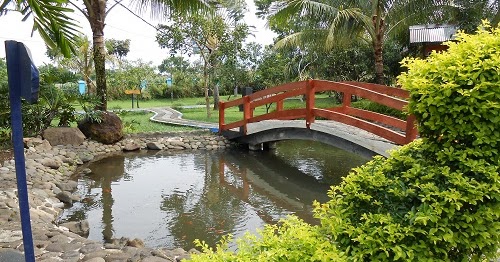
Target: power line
136	15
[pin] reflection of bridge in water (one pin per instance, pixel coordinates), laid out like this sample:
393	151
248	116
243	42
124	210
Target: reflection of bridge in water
360	131
250	175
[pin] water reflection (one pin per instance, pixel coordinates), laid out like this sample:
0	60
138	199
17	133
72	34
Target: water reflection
170	199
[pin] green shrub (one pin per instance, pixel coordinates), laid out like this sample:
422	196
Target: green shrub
414	207
292	240
456	95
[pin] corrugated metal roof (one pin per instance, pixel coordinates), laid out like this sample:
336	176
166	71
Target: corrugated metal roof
432	33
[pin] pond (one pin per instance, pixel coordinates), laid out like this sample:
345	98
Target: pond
169	199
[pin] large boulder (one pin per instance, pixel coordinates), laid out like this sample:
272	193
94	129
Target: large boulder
108	131
63	136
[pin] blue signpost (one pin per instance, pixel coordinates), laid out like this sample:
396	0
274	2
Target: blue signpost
23	82
82	87
168	81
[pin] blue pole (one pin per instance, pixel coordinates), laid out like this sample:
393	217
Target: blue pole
17	139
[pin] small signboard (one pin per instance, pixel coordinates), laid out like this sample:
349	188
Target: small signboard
133	92
82	87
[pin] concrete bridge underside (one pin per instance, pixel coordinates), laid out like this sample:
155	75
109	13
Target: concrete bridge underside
263	134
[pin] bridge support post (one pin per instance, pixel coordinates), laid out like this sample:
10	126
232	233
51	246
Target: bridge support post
255	147
269	145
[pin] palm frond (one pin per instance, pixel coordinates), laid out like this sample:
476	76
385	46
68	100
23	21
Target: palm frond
348	24
290	8
302	39
161	8
51	20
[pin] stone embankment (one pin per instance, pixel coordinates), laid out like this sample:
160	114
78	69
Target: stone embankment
49	171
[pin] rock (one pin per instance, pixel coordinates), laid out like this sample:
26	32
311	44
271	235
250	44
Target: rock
80	228
54	247
52	163
37	143
136	242
11	255
10	235
154	259
65	197
68	186
89	248
86	157
64	136
117	256
96	259
108	131
86	171
131	147
154	146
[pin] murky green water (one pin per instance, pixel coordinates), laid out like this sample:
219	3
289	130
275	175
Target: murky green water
170	199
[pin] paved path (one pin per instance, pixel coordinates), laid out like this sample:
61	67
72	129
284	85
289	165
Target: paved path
168	115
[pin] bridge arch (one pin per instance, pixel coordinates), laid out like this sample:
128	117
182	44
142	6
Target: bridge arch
391	130
266	138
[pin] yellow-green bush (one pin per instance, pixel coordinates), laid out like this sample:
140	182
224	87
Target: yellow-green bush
291	241
435	199
455	95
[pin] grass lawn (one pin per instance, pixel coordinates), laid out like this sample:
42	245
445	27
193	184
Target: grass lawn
138	122
233	114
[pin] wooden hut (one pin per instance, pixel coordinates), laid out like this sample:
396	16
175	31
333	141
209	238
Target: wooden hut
431	37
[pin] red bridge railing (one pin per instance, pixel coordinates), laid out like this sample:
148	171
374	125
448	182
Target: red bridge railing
391	128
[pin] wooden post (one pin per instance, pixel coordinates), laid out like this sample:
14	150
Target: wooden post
279	106
221	116
346	99
247	113
310	99
411	128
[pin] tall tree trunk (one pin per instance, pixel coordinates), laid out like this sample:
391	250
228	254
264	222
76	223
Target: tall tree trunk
216	97
205	86
100	71
97	15
378	24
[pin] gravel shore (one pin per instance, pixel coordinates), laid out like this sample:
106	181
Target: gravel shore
49	170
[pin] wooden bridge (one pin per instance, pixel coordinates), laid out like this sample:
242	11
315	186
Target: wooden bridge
344	126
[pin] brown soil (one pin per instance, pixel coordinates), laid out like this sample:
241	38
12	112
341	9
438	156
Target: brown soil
6	154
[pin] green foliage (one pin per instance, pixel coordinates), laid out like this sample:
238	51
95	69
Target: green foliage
51	18
456	96
129	76
379	108
292	240
118	48
416	207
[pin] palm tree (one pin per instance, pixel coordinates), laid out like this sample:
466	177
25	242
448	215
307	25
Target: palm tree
82	61
58	29
329	23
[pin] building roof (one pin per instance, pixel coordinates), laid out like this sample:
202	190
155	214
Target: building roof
432	33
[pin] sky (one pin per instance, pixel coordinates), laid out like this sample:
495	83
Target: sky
121	25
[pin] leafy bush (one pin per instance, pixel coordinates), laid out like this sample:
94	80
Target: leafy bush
293	240
456	95
435	199
416	207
